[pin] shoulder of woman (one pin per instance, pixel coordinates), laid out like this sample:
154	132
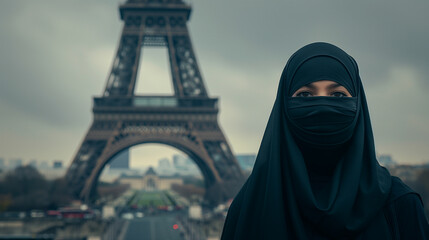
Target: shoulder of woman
401	194
405	208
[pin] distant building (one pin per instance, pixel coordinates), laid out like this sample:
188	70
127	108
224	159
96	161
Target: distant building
386	160
110	175
165	167
246	161
57	164
2	164
183	165
44	165
150	181
408	173
121	161
14	163
179	161
33	163
52	173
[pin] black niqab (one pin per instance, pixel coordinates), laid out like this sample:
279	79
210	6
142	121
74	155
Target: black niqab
316	169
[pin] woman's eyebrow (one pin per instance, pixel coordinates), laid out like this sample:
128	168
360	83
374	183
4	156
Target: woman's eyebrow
334	85
310	86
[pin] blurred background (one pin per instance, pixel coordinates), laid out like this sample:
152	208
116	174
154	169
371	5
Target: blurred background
55	56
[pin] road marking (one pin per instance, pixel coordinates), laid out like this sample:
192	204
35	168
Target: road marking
124	230
152	230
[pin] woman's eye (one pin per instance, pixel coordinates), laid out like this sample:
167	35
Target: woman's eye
304	94
338	94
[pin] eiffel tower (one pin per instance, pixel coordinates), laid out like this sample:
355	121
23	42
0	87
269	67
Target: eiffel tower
187	120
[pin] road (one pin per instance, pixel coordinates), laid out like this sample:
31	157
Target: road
153	228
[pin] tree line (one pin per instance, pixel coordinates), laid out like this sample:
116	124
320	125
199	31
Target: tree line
24	189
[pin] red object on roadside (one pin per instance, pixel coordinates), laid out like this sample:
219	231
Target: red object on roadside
175	226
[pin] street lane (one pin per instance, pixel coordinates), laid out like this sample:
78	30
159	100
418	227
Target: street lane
153	228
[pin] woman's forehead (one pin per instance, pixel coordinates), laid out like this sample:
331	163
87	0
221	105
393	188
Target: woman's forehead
329	84
318	69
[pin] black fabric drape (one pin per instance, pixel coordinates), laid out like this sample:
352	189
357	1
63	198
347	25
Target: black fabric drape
310	175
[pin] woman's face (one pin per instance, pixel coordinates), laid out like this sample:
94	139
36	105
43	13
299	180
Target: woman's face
323	88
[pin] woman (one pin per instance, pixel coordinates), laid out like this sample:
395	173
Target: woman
316	175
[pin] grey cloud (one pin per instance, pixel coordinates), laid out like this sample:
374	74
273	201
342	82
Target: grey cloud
44	64
254	33
55	55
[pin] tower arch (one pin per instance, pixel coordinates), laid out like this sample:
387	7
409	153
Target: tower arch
198	158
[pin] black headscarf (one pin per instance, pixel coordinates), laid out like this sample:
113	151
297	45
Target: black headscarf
316	169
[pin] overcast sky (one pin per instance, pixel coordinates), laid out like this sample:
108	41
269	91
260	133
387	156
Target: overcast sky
56	55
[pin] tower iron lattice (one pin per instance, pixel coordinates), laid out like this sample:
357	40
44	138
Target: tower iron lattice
187	120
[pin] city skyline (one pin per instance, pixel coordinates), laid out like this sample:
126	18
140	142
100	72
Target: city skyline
56	56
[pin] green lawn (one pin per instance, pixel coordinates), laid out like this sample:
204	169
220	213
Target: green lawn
151	199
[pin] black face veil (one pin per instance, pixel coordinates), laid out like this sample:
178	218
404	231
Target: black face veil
282	199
